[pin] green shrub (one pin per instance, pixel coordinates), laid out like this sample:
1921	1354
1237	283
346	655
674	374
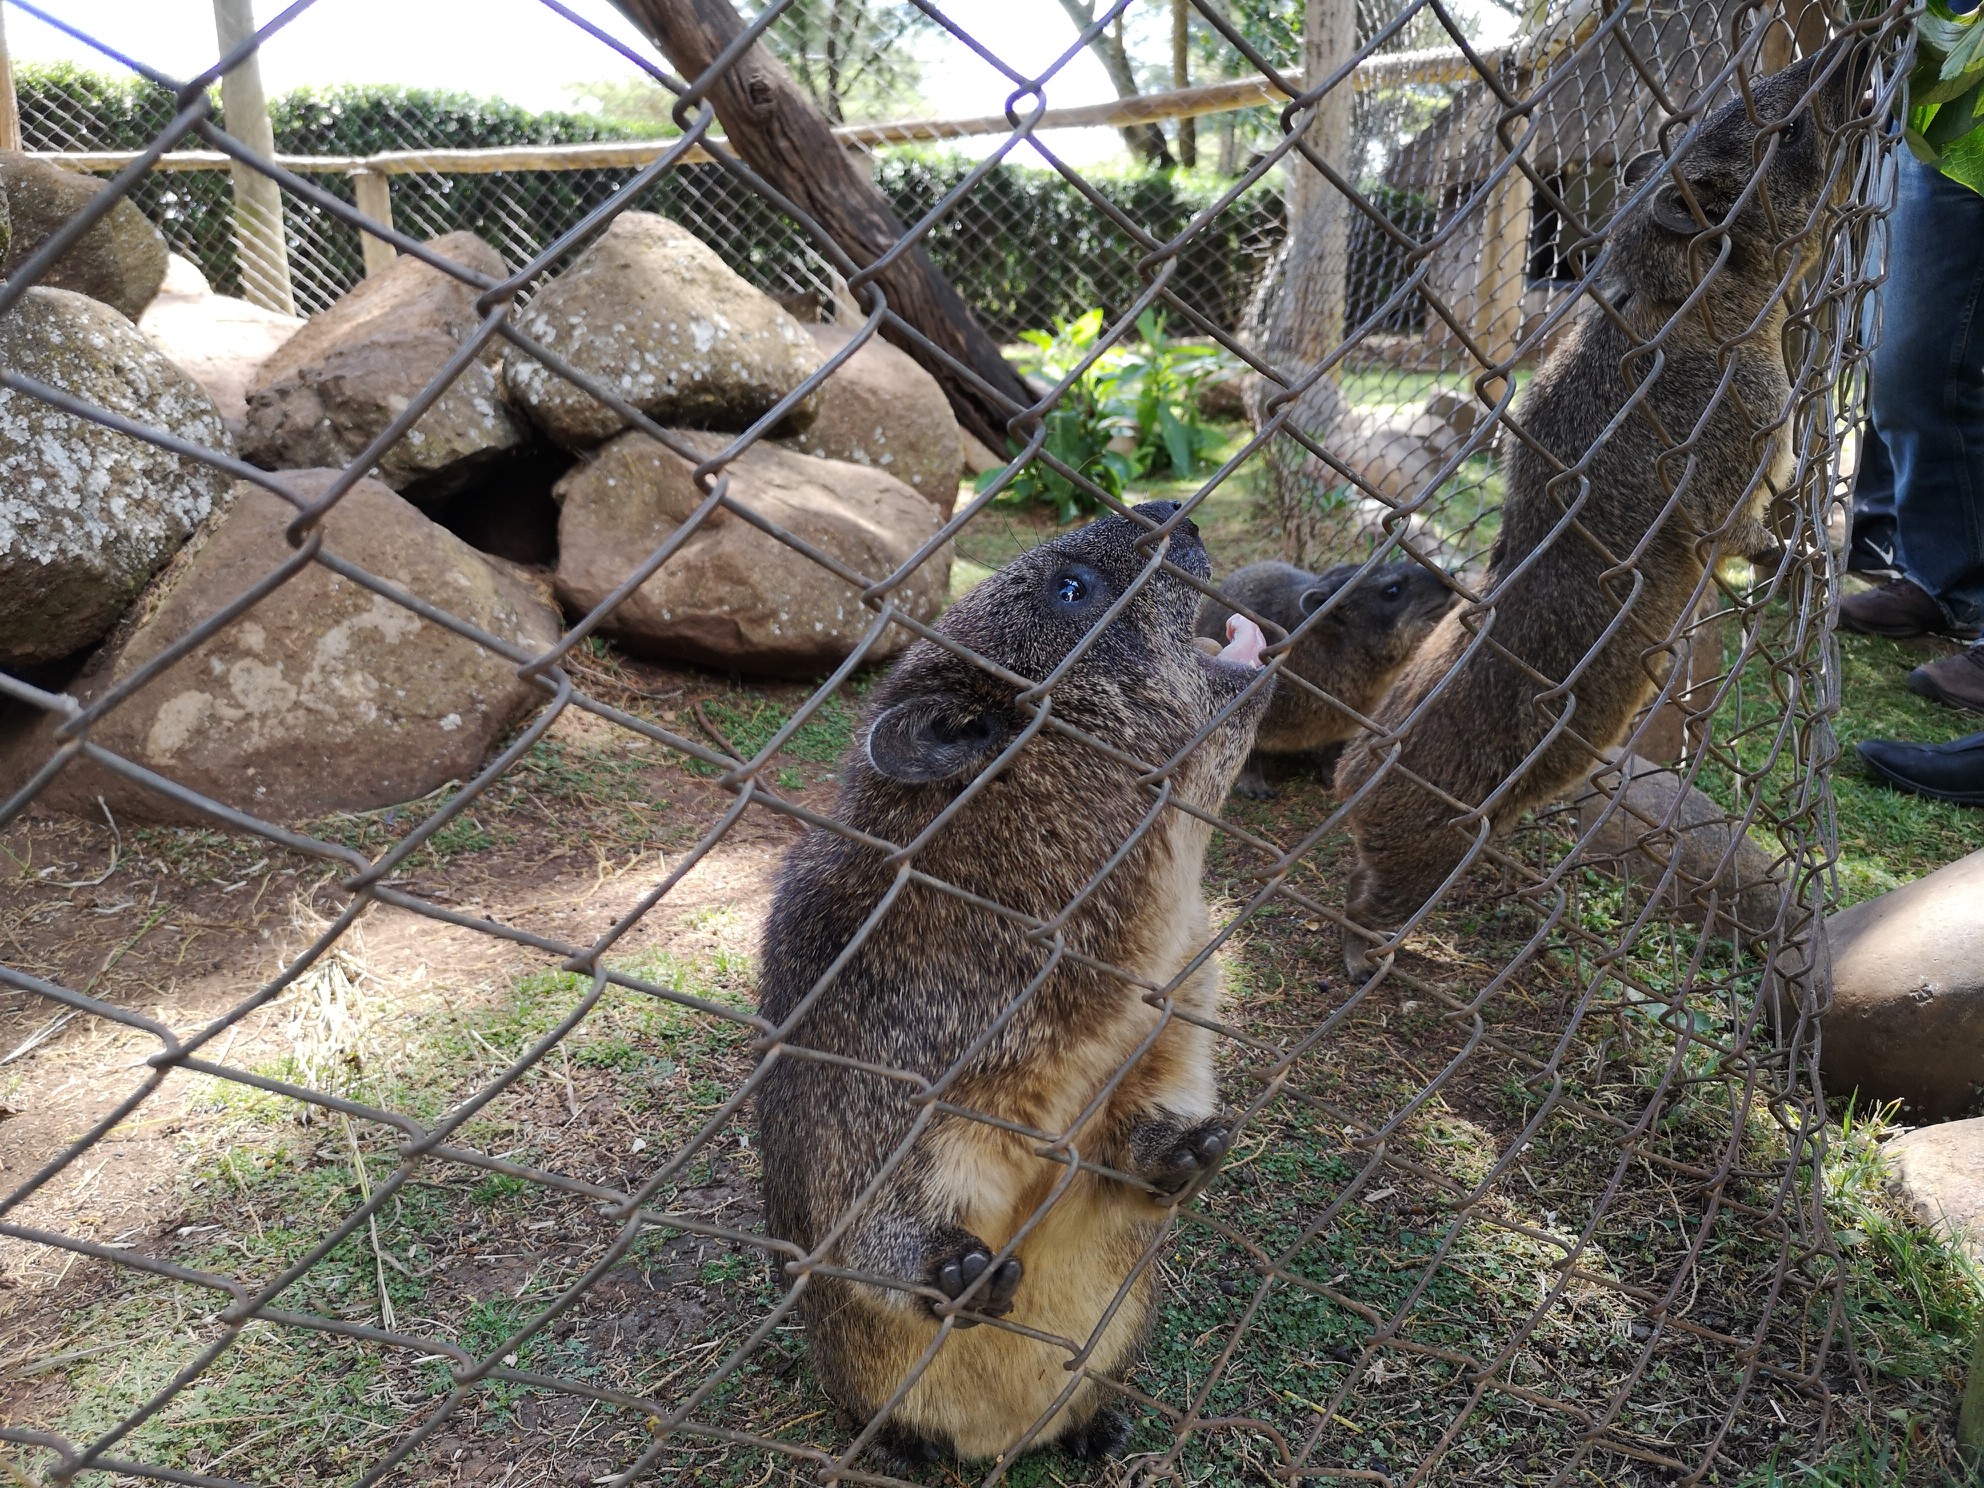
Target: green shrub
1131	414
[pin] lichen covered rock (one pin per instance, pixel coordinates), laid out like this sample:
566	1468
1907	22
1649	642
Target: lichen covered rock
732	596
330	389
120	261
87	514
652	314
324	696
880	408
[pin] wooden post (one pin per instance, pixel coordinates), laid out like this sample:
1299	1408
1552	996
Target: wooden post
1181	77
1302	320
258	229
10	105
373	192
1504	266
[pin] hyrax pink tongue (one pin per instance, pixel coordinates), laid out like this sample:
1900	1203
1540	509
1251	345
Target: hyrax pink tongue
1244	641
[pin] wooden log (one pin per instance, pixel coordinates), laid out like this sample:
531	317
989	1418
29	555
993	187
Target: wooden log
777	131
373	194
10	105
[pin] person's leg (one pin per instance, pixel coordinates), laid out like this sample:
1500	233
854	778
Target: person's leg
1928	388
1870	539
1870	534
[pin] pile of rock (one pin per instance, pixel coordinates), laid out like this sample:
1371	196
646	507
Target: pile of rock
87	515
325	696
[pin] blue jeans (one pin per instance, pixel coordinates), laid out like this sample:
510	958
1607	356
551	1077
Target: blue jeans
1918	501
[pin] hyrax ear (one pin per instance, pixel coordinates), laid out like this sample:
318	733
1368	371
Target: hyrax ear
1714	194
935	738
1312	600
1643	165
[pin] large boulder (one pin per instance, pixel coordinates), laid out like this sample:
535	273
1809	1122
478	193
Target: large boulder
1907	1016
121	260
879	408
652	314
1938	1172
334	386
1660	821
322	697
733	596
87	514
217	340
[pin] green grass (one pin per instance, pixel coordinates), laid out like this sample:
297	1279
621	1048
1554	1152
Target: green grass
1889	837
469	1255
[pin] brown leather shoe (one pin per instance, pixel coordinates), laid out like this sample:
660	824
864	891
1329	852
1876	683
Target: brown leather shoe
1957	680
1898	609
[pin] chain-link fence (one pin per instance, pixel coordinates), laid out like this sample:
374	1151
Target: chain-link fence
464	1039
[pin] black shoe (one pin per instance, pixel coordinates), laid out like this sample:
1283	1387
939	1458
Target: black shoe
1945	772
1898	609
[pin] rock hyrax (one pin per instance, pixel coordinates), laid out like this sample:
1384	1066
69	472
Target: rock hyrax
1007	1016
1353	653
1636	464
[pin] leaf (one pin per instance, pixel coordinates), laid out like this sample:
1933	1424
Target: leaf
1967	55
1954	119
1963	161
1177	443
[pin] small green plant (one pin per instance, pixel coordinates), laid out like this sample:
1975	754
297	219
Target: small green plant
1132	413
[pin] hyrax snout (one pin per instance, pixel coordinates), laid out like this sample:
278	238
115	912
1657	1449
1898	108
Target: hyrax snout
1353	632
1648	445
956	1028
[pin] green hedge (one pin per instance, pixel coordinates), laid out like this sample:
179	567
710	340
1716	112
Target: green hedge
1024	248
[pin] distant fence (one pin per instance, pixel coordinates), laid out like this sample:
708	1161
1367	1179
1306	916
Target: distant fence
1027	246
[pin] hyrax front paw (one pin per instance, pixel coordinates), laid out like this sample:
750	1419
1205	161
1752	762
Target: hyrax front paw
1168	1158
956	1271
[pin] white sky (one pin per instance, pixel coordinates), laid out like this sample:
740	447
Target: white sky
520	51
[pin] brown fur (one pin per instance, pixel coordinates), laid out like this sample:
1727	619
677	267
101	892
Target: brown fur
1646	515
1352	637
936	972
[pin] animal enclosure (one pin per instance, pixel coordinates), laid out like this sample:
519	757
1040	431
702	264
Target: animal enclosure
418	1138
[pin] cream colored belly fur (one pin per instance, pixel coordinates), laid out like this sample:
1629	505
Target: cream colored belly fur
988	1387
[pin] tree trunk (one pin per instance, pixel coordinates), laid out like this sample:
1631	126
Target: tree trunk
1146	140
1181	77
1298	318
778	132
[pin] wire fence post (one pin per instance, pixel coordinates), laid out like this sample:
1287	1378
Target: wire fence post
257	199
373	192
10	105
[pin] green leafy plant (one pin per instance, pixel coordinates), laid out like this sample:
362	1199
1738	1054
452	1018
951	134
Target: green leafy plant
1131	413
1945	124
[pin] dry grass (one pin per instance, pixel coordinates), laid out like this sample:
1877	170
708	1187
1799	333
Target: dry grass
1352	1290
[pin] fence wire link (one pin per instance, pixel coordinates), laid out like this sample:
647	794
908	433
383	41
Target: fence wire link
1535	1199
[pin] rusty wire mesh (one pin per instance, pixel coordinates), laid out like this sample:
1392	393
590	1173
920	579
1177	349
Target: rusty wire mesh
1538	1197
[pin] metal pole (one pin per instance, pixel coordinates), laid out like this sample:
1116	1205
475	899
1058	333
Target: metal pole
258	231
10	104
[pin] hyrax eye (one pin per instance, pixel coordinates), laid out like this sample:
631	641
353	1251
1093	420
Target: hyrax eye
1394	590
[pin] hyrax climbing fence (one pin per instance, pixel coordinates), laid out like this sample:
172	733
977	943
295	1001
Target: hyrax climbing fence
1534	1194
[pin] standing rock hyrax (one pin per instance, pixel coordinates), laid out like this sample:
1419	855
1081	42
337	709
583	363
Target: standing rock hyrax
1007	1016
1353	653
1611	521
